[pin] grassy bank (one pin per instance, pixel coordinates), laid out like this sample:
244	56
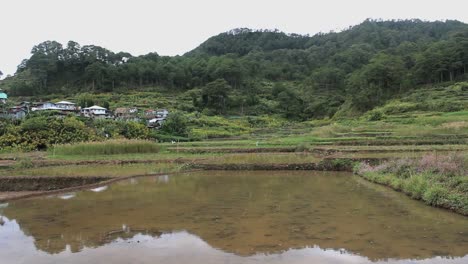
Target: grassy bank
438	180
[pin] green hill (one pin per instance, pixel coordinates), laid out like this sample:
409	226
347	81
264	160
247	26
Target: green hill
255	72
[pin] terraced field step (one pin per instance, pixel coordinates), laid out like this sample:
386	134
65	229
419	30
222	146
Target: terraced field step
395	142
389	148
230	149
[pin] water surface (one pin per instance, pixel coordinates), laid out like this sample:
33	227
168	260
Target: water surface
232	217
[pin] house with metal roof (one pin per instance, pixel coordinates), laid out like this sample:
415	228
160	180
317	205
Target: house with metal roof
94	111
3	97
66	106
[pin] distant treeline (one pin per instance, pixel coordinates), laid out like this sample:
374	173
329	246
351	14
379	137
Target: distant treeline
265	71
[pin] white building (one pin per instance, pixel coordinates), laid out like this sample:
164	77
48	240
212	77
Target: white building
156	122
94	111
66	106
162	113
44	106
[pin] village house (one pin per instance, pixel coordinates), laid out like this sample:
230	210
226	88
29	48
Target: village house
157	117
66	106
156	122
150	114
94	112
43	106
17	112
128	114
162	113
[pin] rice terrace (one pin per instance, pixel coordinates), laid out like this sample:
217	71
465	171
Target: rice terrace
257	146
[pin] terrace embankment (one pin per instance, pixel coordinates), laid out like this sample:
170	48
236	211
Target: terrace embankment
51	163
198	150
43	183
327	164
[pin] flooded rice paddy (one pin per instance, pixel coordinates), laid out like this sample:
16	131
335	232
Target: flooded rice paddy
232	217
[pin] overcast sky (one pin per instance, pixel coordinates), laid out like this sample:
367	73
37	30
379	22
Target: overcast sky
171	27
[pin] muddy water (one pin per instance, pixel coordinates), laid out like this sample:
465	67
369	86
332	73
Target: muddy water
232	217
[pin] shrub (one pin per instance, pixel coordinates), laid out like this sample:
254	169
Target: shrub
375	115
175	124
302	147
24	163
134	130
396	183
453	164
464	87
40	132
415	186
402	168
435	195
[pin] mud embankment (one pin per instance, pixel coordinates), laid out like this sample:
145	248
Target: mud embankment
42	183
325	165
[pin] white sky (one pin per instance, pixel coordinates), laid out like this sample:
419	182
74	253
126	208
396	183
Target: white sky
173	27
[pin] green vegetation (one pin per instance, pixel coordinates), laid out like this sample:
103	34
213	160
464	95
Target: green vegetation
24	163
110	147
40	132
438	180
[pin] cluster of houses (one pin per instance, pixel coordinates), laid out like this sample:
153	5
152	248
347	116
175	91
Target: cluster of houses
154	118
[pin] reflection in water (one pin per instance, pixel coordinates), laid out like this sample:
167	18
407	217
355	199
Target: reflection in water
178	247
67	196
99	189
163	178
241	217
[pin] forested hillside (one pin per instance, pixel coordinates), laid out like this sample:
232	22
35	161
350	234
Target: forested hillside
252	72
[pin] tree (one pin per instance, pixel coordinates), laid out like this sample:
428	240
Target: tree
85	100
215	95
175	124
376	81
